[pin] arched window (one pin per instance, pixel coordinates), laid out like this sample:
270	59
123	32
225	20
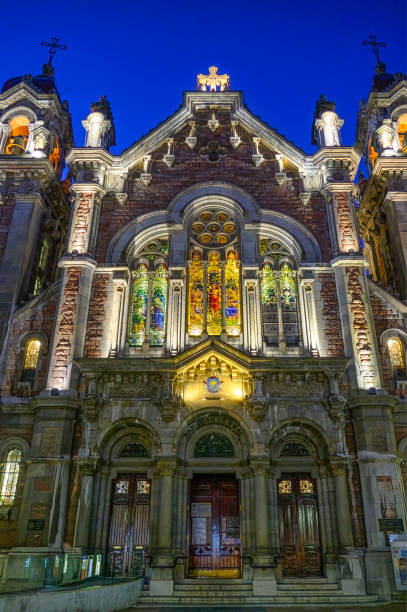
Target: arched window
149	295
40	276
397	358
214	275
31	357
9	476
402	131
18	138
278	295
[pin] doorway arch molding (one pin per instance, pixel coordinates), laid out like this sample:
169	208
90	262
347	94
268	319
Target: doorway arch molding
313	436
127	430
217	420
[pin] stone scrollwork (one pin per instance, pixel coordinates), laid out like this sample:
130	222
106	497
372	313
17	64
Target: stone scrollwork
257	403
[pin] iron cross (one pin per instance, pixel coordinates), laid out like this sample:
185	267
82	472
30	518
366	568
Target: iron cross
375	45
53	45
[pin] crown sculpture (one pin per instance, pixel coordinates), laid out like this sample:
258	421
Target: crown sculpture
213	80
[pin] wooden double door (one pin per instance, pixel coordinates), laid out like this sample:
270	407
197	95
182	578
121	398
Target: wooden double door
129	524
214	527
299	525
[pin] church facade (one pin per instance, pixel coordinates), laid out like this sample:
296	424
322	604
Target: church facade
204	338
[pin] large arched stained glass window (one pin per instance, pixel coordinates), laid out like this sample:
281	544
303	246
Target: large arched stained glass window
149	294
9	477
214	302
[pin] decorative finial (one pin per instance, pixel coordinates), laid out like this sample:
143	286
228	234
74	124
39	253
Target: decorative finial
213	80
53	45
375	46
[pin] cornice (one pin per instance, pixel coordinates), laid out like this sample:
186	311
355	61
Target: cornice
389	299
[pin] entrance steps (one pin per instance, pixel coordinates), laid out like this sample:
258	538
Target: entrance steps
235	592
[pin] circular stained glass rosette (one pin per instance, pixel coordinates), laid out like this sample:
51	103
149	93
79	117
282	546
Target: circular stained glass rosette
229	227
205	238
206	216
221	217
221	239
198	227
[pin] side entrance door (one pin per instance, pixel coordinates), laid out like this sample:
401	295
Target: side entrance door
299	525
129	524
214	527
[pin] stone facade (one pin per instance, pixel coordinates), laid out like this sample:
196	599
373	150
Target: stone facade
213	294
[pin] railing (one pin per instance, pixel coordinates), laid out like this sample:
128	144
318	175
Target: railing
66	570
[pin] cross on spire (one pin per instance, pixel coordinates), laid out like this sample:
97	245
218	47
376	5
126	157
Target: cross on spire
53	46
375	46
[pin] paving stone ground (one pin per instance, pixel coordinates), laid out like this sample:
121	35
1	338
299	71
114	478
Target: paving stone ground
395	607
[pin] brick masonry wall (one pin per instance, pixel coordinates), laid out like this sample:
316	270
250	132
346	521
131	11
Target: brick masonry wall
235	168
37	317
330	311
96	315
384	318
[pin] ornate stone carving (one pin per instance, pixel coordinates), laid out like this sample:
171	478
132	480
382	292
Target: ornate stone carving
360	327
213	80
345	224
80	229
234	139
169	157
216	419
65	327
335	405
213	151
191	140
257	157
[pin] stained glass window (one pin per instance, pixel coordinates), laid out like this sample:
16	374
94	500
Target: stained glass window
232	294
214	295
32	353
285	487
9	476
396	354
214	445
196	295
137	332
158	305
269	305
289	305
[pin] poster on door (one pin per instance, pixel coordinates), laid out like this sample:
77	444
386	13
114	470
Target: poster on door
398	545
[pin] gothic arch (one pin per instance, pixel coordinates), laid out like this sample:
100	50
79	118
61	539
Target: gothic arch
216	420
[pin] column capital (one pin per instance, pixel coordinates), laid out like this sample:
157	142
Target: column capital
338	467
88	466
260	466
166	467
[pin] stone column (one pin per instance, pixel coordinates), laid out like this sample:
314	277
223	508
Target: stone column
344	523
4	135
82	526
162	566
176	315
310	327
264	582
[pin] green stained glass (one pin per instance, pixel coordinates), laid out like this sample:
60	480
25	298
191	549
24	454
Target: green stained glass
287	285
137	331
268	285
158	306
214	445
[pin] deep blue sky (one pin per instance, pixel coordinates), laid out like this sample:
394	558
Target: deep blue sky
142	55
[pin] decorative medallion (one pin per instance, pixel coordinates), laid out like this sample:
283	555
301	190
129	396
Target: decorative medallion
213	151
213	384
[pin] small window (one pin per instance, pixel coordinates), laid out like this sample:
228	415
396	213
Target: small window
31	357
18	138
396	355
9	476
402	131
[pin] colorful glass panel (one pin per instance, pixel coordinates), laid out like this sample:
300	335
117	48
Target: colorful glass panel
214	445
285	487
32	353
268	288
158	305
287	285
9	477
196	296
396	354
306	487
289	305
214	295
232	294
137	332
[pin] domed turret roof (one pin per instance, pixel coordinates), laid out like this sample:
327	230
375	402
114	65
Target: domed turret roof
43	83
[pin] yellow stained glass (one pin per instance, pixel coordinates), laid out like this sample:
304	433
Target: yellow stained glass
232	294
306	486
214	295
285	487
287	285
32	352
395	349
9	477
196	295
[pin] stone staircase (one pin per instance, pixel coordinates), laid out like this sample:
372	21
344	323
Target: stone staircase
295	591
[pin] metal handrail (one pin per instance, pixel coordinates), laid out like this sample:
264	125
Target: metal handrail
261	565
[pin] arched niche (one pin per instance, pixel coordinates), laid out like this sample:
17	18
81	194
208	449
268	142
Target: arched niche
298	433
218	423
125	433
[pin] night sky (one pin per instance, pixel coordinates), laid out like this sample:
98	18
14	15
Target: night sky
142	55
